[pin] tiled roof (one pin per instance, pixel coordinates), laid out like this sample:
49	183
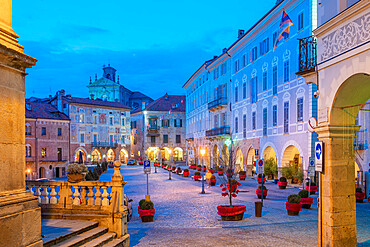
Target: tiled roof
165	103
43	110
138	95
98	102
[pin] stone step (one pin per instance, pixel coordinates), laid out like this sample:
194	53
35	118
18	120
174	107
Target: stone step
118	242
100	241
84	237
56	231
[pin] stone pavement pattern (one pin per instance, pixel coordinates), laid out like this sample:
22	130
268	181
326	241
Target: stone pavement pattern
187	218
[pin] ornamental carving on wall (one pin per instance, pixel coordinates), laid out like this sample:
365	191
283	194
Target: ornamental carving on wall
349	36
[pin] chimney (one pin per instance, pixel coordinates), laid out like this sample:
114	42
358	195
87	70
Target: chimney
224	50
142	105
91	96
240	33
68	95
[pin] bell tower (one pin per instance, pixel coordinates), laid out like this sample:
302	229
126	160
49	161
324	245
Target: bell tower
109	73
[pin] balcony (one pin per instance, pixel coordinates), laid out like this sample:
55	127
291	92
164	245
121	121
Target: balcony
217	104
307	55
153	131
361	145
224	130
104	145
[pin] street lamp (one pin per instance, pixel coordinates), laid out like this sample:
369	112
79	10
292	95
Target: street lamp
202	152
169	164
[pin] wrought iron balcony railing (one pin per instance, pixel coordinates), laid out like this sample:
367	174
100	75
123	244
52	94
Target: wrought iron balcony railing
224	130
307	55
217	103
104	144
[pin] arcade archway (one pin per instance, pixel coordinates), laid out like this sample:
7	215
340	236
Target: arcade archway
216	155
251	159
80	156
96	156
110	155
239	161
225	156
178	154
123	156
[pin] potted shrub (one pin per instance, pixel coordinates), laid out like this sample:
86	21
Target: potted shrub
306	200
259	178
229	189
212	181
199	168
360	196
186	173
211	170
174	169
293	205
178	171
146	210
282	183
242	175
204	168
229	172
220	171
270	168
197	176
192	166
76	172
259	192
313	188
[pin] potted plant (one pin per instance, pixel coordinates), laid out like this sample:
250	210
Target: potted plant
76	172
270	168
312	188
186	173
178	171
197	176
242	175
192	166
174	169
259	178
229	189
360	196
204	168
229	172
220	171
293	205
259	192
282	183
306	200
199	168
211	170
146	210
212	181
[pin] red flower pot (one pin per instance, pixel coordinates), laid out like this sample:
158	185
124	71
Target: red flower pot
185	174
259	193
141	163
282	185
313	189
213	182
204	169
242	177
197	177
220	173
233	213
146	215
360	197
199	169
259	180
306	202
293	208
211	170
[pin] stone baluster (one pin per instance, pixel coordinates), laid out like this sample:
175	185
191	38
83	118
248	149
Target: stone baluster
98	196
38	192
90	194
69	195
76	200
53	198
83	195
105	201
31	189
45	193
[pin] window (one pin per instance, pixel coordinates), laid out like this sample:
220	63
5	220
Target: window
110	139
111	121
152	139
274	80
59	131
244	60
223	69
254	54
28	129
133	124
223	119
264	78
178	122
286	117
236	125
300	110
300	21
236	66
215	73
178	138
274	37
43	131
81	120
43	152
95	138
286	71
59	152
244	90
265	121
264	46
254	120
122	121
216	121
254	90
244	126
274	115
82	138
95	120
165	123
236	94
165	138
28	151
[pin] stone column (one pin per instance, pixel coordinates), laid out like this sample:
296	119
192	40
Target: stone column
280	172
337	185
20	216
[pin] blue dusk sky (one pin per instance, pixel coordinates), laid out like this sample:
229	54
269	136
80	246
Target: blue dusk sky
154	45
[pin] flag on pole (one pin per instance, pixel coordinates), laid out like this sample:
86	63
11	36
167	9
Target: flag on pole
285	23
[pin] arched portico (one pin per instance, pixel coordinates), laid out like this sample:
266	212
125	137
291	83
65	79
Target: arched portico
251	159
123	156
225	156
96	156
239	161
78	156
110	155
216	155
178	154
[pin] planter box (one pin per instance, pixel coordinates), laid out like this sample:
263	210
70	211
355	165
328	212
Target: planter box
282	185
197	177
212	182
313	189
220	173
185	174
146	215
233	213
199	169
76	177
259	180
211	170
242	176
306	202
360	197
259	193
293	208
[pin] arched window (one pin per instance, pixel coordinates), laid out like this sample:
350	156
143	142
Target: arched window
28	150
28	129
